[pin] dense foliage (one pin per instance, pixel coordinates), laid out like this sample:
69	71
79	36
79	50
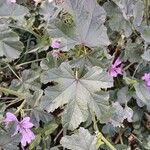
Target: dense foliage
75	74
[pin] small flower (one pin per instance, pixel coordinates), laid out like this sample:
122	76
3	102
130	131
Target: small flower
146	78
55	44
11	1
50	1
56	54
115	68
22	127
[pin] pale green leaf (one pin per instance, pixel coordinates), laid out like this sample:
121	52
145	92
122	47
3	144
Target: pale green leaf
78	94
116	20
10	46
146	34
38	115
82	140
88	26
12	10
47	10
143	93
29	80
7	142
146	55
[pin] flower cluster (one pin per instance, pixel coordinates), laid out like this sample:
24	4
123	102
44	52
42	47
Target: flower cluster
55	45
22	127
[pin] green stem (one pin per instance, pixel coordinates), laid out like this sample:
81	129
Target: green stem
76	73
14	102
133	28
20	107
128	66
100	135
29	62
14	72
12	92
136	69
146	3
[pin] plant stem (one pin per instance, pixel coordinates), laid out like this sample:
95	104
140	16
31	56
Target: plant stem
20	107
14	73
14	102
128	66
29	62
12	92
100	135
76	73
146	3
136	69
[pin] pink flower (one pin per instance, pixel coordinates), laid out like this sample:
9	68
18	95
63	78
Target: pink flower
55	44
22	127
11	1
56	53
146	78
115	68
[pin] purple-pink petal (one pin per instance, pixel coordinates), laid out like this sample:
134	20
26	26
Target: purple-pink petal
55	44
117	62
25	123
10	117
27	136
115	69
148	83
118	70
11	1
113	73
146	78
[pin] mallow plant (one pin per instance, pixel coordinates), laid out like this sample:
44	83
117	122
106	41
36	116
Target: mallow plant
75	74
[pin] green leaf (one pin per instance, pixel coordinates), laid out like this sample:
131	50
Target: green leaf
38	115
146	34
7	142
82	140
47	10
35	142
146	55
124	95
122	147
29	80
94	58
133	51
88	24
10	46
78	94
126	7
2	110
41	132
138	12
116	20
14	11
143	92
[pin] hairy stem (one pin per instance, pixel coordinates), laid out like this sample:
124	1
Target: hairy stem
20	107
12	92
100	135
